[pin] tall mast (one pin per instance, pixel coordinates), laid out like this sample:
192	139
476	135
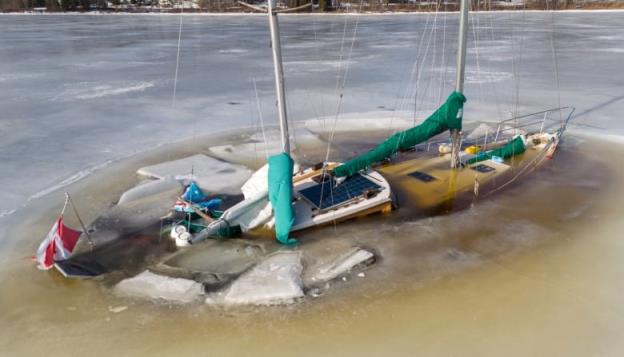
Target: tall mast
461	69
279	75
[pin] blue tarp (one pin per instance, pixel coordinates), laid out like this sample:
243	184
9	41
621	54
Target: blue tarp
194	195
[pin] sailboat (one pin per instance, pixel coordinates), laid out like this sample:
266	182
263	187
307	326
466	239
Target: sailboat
288	201
331	192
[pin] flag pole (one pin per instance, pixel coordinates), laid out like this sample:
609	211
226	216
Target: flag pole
84	229
65	204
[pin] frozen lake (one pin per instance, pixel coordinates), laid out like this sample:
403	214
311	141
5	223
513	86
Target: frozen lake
80	93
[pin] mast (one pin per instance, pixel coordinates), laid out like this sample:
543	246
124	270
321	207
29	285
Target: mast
279	75
459	81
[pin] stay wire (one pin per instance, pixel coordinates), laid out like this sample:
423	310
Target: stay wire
177	66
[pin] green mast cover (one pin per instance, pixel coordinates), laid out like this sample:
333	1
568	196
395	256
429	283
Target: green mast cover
448	116
280	195
511	148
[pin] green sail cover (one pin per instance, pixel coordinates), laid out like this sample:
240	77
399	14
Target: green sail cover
448	116
513	147
280	195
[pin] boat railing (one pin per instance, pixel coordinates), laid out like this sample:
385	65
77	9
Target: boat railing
540	121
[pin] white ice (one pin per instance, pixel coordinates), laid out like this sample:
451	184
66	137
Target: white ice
212	175
148	285
150	188
275	280
338	266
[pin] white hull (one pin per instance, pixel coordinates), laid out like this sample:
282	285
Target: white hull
306	214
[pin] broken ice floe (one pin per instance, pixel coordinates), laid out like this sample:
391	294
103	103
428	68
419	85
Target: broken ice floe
148	285
211	175
346	125
150	188
329	269
275	280
255	148
215	262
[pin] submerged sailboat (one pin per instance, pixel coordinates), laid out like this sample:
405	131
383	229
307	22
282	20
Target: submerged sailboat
330	192
288	201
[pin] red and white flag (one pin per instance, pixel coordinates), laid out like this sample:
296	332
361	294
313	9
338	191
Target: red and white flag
58	245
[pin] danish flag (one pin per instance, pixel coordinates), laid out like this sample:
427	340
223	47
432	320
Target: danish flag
58	245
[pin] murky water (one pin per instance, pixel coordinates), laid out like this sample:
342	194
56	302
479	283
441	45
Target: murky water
533	270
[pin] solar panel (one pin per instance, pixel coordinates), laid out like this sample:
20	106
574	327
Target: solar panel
422	176
328	195
482	168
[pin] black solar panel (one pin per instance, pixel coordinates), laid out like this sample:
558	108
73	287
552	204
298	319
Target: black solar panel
422	176
327	195
482	168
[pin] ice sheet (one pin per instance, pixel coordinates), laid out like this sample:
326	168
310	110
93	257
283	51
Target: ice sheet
275	280
212	175
74	96
148	285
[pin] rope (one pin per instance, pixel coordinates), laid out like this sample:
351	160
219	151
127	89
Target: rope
555	61
399	99
516	66
340	97
258	106
540	156
494	88
344	81
432	34
175	79
477	54
84	229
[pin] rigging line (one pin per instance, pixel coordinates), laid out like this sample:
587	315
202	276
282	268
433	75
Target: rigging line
405	81
339	105
477	55
443	62
400	100
344	82
417	63
432	39
339	69
408	88
517	73
418	105
430	94
341	54
319	109
535	161
420	66
175	79
553	49
259	107
494	87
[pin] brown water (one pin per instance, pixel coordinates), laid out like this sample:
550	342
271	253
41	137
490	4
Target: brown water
535	270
